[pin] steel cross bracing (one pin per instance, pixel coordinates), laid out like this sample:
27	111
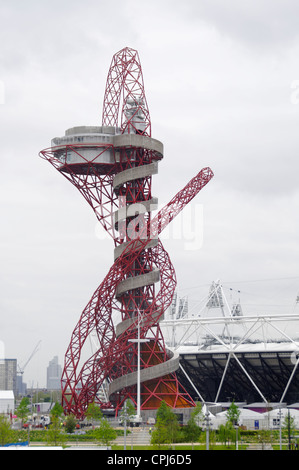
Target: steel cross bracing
120	194
125	88
221	356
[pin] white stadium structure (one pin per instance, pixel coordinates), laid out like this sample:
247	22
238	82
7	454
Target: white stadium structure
226	355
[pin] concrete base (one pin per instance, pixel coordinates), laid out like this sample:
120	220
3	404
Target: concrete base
184	415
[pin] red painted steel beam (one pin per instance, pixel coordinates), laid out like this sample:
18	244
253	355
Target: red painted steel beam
141	255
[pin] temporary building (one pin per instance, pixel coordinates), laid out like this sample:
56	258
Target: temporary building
274	417
7	401
248	418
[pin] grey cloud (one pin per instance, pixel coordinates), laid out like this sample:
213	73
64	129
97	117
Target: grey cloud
261	24
219	94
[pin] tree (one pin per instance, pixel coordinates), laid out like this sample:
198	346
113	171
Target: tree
226	433
197	414
127	412
56	411
160	436
192	431
94	412
166	428
289	425
105	433
22	411
126	415
5	431
70	424
55	435
233	414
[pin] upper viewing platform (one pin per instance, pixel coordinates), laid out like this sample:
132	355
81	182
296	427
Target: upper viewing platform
100	145
86	135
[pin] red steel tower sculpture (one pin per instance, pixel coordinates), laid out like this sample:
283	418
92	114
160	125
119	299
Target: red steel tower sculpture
112	166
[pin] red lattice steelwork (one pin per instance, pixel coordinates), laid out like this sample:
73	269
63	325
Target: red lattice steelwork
115	178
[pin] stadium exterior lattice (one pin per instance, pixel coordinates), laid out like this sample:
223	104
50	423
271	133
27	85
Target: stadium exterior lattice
226	356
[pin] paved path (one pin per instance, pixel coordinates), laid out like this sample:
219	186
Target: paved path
138	436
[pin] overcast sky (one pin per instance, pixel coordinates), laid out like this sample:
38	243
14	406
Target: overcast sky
222	84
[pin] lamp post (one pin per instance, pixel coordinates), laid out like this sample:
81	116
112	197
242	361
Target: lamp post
125	426
289	430
279	417
236	426
207	421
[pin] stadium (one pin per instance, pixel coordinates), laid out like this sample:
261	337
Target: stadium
228	356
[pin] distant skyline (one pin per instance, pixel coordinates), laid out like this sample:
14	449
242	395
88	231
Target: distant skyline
222	84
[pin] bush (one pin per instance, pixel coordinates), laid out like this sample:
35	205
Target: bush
166	430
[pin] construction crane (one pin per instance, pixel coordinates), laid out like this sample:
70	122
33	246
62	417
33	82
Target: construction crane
22	369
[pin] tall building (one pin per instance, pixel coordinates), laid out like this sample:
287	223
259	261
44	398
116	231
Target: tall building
8	375
54	372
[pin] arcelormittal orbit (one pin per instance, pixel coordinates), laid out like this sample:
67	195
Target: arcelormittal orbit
112	166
